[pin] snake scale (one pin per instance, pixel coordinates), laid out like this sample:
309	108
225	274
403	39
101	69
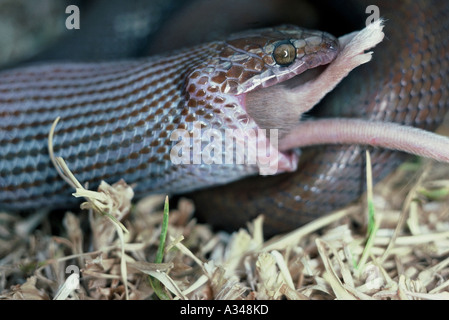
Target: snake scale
116	118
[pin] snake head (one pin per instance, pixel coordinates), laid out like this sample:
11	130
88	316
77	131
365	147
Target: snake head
217	89
265	57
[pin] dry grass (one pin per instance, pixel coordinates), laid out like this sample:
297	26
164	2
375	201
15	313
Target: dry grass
330	258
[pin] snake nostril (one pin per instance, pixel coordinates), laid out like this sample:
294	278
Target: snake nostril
331	45
331	49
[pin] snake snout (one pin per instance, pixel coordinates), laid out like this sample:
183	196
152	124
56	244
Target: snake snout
330	47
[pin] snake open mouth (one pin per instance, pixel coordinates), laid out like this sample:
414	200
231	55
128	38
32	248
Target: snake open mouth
294	86
282	105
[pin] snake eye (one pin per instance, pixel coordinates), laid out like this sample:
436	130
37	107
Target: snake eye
284	54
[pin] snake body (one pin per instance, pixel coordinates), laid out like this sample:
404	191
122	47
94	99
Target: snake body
115	119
